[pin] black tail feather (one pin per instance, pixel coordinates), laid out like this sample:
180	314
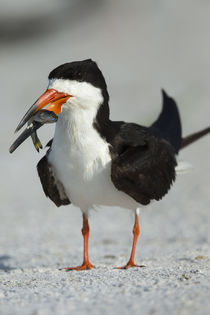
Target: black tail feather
194	137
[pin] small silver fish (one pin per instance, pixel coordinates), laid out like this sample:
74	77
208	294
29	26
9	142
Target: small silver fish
44	117
38	120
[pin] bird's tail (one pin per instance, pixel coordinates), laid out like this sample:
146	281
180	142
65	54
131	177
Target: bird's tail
194	137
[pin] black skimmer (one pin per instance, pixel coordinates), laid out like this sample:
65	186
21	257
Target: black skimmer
93	161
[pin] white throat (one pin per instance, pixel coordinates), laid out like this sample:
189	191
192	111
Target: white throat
77	122
78	143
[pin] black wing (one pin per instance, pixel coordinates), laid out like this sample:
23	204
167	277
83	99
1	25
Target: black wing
168	124
52	187
143	166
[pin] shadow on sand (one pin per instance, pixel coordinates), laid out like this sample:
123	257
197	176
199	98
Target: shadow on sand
3	263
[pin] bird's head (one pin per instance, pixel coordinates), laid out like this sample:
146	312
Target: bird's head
78	84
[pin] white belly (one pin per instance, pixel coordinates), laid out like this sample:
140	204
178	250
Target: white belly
82	163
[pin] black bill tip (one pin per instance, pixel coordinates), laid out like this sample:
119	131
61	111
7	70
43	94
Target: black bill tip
24	135
27	116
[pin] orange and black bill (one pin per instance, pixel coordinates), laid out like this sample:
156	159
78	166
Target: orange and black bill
37	117
52	97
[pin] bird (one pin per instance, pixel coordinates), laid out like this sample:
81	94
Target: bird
93	161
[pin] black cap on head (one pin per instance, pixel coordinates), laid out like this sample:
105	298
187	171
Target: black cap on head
82	71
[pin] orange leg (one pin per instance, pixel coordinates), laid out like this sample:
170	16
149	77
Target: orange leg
136	232
86	263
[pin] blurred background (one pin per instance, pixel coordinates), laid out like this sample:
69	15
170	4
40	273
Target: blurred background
141	46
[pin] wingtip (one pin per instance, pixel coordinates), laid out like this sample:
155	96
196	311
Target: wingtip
166	98
164	94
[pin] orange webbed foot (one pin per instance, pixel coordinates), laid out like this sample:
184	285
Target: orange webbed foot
84	266
130	265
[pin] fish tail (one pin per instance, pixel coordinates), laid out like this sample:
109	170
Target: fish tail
38	145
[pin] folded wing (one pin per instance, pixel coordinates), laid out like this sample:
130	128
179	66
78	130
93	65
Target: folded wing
143	165
52	187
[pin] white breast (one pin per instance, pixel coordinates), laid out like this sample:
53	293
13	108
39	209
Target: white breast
81	161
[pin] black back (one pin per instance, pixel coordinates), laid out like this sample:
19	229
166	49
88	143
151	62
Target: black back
143	159
143	166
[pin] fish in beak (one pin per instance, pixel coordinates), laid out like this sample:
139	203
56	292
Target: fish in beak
38	120
52	97
36	117
42	117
